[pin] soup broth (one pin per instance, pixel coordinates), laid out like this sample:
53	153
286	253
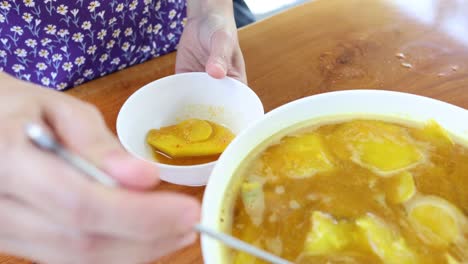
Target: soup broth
359	191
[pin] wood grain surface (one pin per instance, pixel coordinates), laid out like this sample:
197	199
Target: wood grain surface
419	47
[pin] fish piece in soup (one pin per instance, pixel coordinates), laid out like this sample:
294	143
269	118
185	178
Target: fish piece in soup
384	148
400	188
253	199
328	236
434	133
452	260
339	258
299	157
438	221
386	243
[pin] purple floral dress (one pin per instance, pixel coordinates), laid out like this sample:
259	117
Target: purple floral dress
63	43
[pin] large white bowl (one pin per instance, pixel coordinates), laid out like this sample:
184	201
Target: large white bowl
177	97
215	213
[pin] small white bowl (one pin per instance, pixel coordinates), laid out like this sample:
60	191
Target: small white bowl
219	195
175	98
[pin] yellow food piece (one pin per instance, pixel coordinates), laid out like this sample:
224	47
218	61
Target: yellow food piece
253	199
327	235
299	157
436	219
401	188
339	258
451	260
383	148
369	233
244	258
195	130
385	242
190	138
386	155
436	134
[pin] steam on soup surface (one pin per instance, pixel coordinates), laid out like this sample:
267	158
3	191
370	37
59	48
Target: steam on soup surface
360	191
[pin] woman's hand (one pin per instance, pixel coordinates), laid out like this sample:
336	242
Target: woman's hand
209	42
52	214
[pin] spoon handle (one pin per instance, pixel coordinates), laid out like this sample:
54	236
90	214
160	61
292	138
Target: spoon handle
48	142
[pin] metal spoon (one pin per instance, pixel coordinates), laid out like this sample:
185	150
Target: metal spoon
46	141
235	243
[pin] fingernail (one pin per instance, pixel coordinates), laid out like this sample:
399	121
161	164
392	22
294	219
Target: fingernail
221	67
216	69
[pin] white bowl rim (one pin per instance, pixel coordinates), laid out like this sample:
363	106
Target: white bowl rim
209	205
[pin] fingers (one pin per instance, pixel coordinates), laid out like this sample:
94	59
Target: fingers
52	213
238	67
70	199
91	250
81	128
210	44
225	57
221	52
109	250
130	172
28	234
189	58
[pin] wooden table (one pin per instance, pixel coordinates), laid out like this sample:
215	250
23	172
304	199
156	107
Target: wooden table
322	46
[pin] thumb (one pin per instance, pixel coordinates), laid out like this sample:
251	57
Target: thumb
81	128
221	52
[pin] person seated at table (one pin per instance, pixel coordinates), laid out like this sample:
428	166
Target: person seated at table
50	213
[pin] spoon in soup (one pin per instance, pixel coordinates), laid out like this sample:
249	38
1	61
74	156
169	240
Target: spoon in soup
240	245
46	141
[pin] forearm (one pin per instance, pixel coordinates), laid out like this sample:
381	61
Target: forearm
201	7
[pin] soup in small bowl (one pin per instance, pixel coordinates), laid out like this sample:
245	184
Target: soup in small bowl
346	177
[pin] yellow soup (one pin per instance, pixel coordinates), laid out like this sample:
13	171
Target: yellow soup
360	191
190	142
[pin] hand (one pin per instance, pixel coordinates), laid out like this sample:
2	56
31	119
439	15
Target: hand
51	213
209	42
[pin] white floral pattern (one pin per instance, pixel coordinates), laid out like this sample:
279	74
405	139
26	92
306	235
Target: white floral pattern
60	43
